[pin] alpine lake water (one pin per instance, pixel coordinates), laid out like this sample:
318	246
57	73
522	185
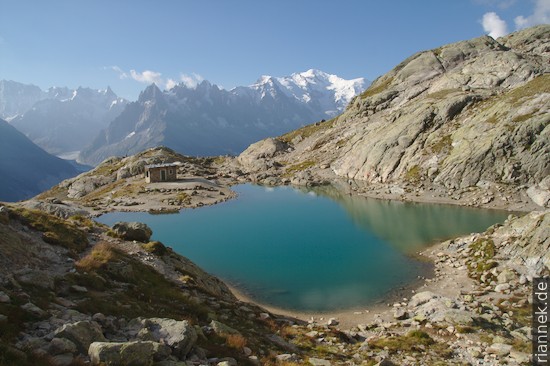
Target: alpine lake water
311	250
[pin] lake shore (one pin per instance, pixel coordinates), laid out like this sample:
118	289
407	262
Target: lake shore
450	283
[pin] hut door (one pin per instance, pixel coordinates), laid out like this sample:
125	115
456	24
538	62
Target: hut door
163	175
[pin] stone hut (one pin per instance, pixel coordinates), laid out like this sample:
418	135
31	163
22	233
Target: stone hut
161	172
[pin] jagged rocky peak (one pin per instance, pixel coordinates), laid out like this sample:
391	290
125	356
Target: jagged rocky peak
152	92
205	120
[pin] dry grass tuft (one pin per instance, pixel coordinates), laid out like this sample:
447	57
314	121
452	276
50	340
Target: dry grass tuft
102	253
236	341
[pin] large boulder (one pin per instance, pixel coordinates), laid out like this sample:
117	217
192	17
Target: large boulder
180	336
422	298
539	195
82	334
136	353
133	231
83	185
256	156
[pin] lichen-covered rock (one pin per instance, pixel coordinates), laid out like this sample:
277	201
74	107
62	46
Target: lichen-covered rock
81	186
133	231
135	353
59	209
180	336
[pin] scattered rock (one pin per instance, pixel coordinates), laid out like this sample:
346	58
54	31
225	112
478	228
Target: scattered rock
222	329
34	310
180	336
80	289
460	317
59	346
422	298
4	298
502	287
34	277
385	362
136	353
400	314
82	334
499	349
286	357
228	361
506	276
319	362
65	359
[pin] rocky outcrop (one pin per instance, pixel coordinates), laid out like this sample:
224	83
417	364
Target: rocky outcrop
257	157
460	117
133	231
524	245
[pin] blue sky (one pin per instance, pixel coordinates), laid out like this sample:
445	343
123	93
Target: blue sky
127	44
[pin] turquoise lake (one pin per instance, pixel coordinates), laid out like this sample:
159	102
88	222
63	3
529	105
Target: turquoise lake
311	250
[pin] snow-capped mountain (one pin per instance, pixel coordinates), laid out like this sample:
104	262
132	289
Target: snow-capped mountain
17	98
207	120
60	120
317	89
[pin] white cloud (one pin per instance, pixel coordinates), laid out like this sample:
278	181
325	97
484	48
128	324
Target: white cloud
119	71
149	77
191	81
170	83
541	15
494	25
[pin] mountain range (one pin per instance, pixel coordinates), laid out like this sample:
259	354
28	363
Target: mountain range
208	120
26	169
59	120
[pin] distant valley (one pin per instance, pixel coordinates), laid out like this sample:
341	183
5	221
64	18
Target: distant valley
26	169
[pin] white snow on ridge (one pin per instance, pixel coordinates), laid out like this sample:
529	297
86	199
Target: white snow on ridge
330	91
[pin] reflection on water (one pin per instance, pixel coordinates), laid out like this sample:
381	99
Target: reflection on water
322	250
412	226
